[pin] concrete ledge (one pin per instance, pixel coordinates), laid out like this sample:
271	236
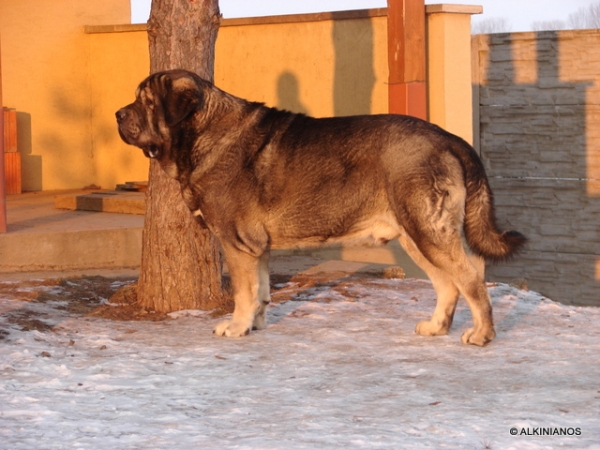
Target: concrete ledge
295	18
453	9
105	201
73	250
123	28
264	20
42	238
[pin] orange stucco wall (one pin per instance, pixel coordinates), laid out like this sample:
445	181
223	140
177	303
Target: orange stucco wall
66	70
46	66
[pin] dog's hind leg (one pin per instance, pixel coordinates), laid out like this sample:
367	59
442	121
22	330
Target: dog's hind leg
264	293
244	270
472	286
433	221
466	272
446	290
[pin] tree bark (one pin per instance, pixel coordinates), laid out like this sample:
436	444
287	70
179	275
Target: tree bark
181	263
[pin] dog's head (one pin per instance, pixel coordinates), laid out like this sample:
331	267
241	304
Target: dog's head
164	102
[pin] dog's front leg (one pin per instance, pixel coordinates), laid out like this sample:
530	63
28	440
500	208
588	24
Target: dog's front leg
244	271
264	293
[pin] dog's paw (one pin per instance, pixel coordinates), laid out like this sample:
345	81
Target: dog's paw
260	323
480	337
229	328
431	328
260	319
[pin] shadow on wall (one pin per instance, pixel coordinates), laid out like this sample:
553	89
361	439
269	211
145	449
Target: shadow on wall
535	146
74	151
354	72
353	85
67	146
288	94
31	165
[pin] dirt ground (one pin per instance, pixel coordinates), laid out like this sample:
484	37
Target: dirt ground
116	298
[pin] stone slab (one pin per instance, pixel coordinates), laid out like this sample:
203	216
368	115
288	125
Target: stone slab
120	202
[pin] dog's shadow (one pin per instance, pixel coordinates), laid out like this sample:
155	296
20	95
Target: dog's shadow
289	292
509	316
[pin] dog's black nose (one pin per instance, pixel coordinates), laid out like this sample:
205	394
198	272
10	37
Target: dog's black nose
121	114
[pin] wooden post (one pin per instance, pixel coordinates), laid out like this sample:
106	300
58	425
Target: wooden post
407	58
2	182
12	158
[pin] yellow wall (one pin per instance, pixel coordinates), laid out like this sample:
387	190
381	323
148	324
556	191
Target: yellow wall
339	69
322	68
114	75
66	80
45	62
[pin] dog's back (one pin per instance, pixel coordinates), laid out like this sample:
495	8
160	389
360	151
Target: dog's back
330	180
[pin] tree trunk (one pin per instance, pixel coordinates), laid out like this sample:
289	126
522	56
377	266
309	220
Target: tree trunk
181	263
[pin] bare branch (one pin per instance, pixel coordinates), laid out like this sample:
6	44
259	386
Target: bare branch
585	17
491	25
541	25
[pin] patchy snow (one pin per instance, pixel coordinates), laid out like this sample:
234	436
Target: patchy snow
338	367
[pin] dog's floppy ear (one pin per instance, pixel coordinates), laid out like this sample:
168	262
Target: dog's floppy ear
182	97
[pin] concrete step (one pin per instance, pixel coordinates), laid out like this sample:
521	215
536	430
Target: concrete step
121	202
43	238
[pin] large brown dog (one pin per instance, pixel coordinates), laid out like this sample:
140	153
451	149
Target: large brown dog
261	178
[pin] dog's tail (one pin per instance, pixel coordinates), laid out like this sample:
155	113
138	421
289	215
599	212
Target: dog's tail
480	227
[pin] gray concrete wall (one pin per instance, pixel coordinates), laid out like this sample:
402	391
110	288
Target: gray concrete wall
539	137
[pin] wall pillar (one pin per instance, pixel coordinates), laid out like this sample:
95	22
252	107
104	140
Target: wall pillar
406	58
449	84
2	183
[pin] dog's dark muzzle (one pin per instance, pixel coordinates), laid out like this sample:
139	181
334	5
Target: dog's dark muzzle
128	127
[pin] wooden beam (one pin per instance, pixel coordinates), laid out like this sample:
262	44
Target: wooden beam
407	58
2	182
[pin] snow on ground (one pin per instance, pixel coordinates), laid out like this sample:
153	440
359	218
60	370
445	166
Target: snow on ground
339	367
